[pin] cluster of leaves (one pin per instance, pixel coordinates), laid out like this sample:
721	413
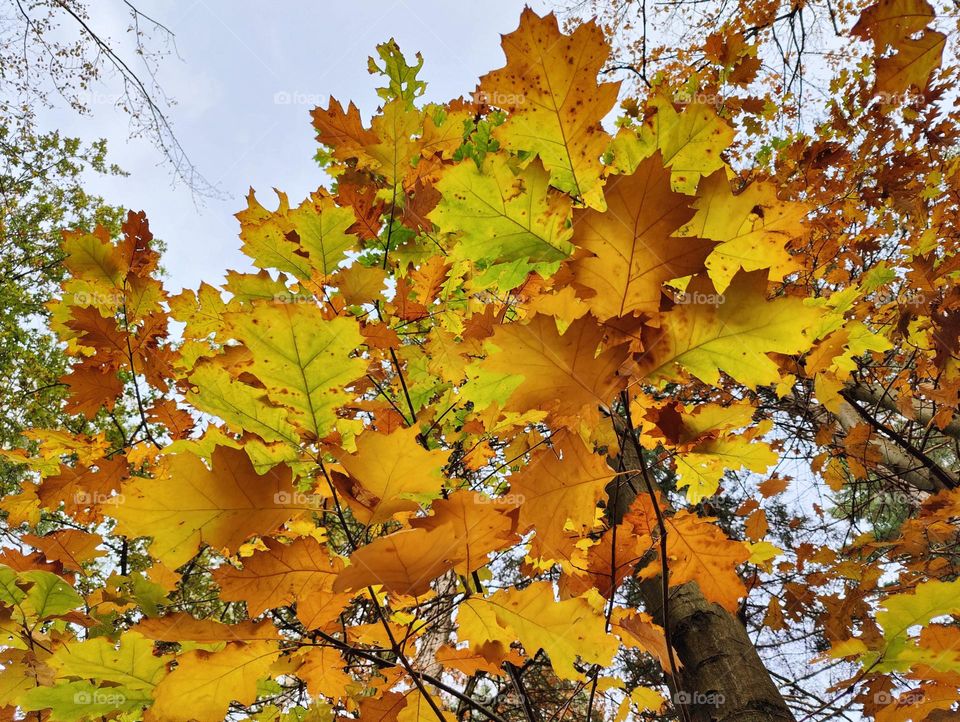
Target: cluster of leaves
414	467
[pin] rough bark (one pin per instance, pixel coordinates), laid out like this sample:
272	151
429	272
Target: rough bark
721	673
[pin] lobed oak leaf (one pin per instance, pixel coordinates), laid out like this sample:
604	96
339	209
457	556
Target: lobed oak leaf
211	681
181	627
701	468
91	389
632	244
392	474
549	86
912	65
752	227
560	488
342	130
565	630
303	359
889	22
189	504
732	333
698	551
475	524
690	142
313	237
301	573
129	662
214	390
501	213
71	547
404	562
638	630
562	374
323	671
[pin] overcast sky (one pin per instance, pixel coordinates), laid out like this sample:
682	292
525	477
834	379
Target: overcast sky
245	77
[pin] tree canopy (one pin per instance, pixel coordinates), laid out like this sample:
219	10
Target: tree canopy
542	410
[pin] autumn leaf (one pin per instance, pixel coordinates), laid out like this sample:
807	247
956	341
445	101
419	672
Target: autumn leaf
698	551
190	505
390	473
732	333
565	630
753	228
549	86
301	572
211	681
302	359
560	489
563	374
502	213
632	245
130	662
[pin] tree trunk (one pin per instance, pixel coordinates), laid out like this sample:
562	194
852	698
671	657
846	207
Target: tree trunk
721	678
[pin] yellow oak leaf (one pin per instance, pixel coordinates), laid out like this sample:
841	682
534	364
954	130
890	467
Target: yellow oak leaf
701	468
129	662
215	391
549	86
391	473
691	141
473	522
502	213
902	612
889	22
753	228
204	684
732	332
565	630
188	504
303	359
912	64
404	562
322	669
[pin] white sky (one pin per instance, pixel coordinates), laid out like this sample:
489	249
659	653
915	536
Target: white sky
237	58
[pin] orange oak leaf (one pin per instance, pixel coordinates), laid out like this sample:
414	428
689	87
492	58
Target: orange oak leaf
562	374
300	573
698	551
560	489
634	251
